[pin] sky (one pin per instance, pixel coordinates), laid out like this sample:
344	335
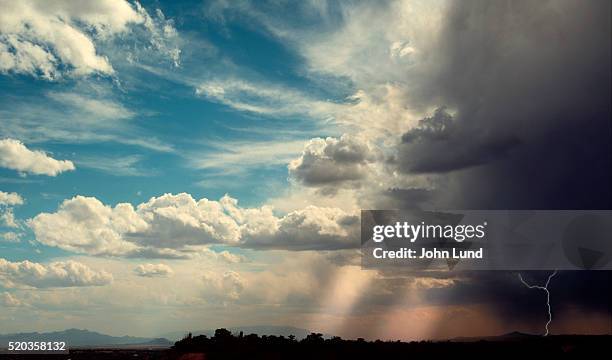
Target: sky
170	166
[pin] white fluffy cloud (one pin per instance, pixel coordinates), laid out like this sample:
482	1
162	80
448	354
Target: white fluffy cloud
311	228
50	38
86	225
7	217
11	237
10	199
177	225
37	37
153	270
56	274
16	156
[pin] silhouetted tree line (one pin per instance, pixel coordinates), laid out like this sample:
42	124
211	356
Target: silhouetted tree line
225	345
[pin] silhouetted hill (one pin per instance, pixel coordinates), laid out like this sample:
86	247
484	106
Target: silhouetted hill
82	338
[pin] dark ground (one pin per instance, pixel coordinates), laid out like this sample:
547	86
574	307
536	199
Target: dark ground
228	346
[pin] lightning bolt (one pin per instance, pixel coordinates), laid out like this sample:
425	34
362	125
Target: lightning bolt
545	288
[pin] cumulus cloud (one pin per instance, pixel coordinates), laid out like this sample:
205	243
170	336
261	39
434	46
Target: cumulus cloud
37	37
153	270
49	39
311	228
332	161
176	225
86	225
11	237
56	274
7	217
10	199
16	156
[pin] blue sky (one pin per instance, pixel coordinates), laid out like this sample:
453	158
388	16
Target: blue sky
165	127
195	164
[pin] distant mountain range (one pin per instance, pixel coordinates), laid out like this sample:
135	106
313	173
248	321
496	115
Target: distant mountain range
85	338
259	330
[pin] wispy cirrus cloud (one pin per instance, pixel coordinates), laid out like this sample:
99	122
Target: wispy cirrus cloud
116	165
266	99
92	108
241	156
89	113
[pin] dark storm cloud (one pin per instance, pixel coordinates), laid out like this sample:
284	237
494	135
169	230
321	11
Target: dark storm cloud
439	145
529	82
529	85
